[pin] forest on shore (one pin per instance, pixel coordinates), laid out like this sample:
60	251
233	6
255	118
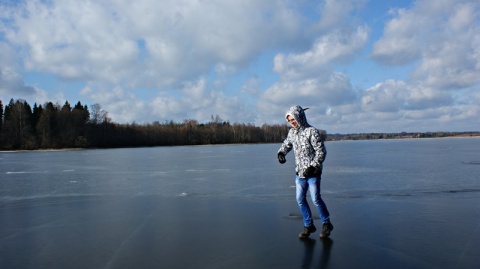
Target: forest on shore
54	126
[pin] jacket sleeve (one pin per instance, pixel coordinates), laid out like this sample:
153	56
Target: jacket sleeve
286	146
316	140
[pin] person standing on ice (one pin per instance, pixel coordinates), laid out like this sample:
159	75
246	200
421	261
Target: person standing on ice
310	152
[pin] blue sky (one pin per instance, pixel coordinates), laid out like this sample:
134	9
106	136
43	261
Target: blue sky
360	66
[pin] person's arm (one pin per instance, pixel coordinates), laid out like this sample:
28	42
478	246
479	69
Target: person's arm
285	148
317	139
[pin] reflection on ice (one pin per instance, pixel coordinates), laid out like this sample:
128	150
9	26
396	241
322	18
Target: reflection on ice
356	170
25	172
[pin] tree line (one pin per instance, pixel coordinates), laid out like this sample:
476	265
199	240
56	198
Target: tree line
54	126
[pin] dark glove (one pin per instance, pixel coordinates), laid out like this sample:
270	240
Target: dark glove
281	157
310	172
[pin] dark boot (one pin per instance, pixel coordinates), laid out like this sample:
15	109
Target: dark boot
307	231
327	228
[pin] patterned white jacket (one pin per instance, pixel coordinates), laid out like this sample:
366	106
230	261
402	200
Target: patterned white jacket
306	141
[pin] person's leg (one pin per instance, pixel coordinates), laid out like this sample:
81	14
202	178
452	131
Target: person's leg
301	195
302	188
314	185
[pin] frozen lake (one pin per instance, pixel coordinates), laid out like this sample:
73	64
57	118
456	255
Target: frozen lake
402	203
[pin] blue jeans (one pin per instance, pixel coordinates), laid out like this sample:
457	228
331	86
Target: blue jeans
302	186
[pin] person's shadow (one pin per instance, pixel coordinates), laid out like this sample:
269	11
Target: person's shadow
310	253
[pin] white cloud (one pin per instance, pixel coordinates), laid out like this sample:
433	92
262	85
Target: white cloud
195	100
247	61
441	40
109	40
335	13
165	107
117	46
334	90
12	85
454	62
385	97
251	86
199	101
403	39
11	82
320	94
75	40
412	33
336	46
394	96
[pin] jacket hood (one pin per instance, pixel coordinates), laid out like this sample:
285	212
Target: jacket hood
298	113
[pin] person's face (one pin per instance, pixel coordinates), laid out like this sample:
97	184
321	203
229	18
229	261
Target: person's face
292	121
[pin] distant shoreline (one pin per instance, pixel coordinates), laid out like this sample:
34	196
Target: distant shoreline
45	150
402	135
469	135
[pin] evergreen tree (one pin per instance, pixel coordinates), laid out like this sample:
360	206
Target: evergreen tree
82	114
66	129
37	112
47	126
17	125
80	117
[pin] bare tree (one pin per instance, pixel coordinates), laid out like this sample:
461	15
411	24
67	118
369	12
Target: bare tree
99	115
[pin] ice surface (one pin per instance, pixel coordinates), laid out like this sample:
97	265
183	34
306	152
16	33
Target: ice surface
192	232
400	204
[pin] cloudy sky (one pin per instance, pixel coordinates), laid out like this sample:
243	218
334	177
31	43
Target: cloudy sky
360	66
